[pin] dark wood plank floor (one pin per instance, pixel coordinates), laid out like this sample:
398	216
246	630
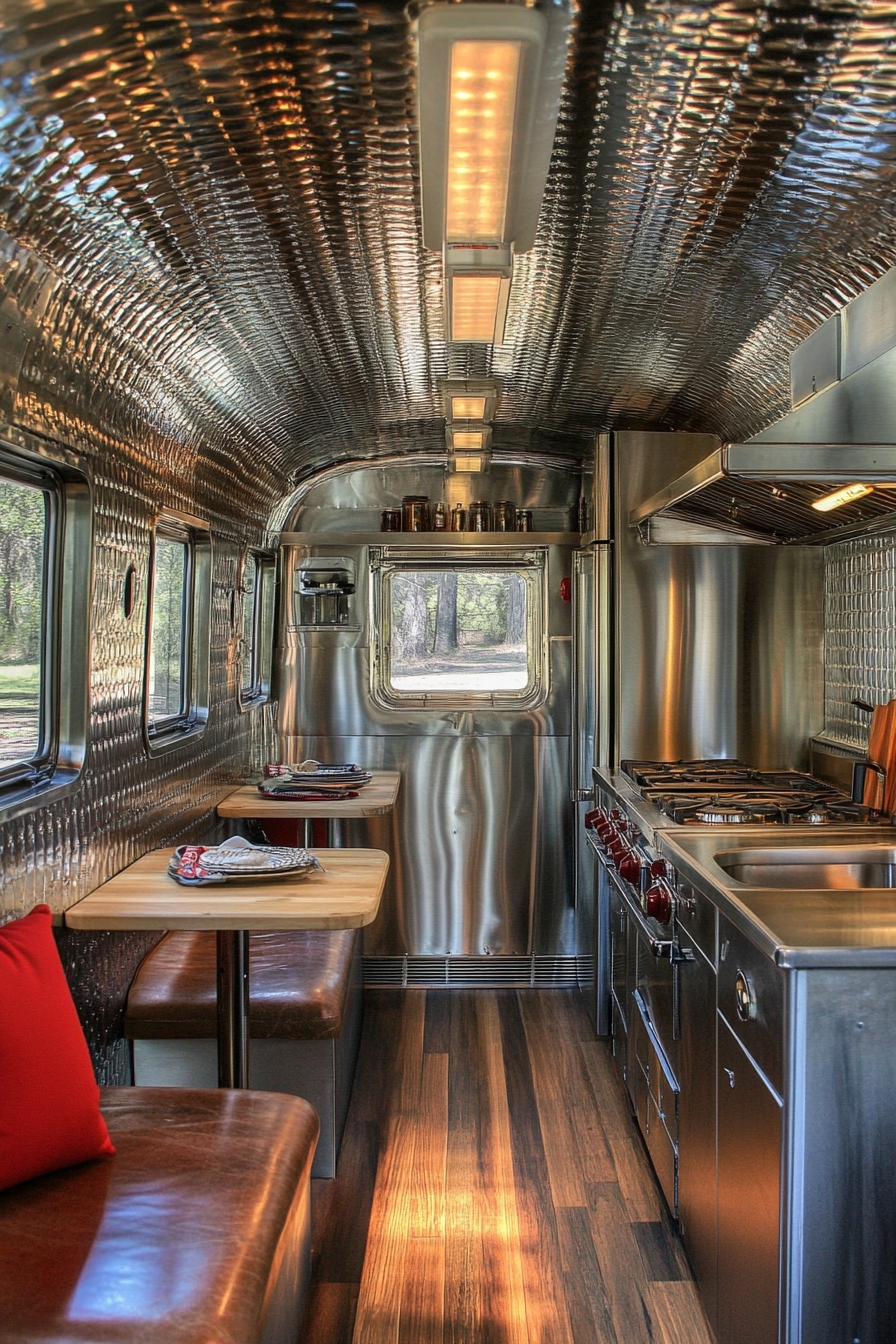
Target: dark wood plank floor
492	1187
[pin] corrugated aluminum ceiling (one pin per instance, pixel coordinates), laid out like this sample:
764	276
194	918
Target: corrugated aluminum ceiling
225	195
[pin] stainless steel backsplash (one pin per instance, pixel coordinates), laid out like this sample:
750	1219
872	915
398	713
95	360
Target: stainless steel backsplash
860	632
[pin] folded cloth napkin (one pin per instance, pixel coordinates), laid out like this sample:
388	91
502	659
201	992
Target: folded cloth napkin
322	778
198	865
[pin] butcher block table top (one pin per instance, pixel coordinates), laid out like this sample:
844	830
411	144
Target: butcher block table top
143	896
373	800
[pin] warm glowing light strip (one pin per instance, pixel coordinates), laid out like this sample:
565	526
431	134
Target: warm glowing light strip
845	495
467	439
465	462
474	307
467	408
482	106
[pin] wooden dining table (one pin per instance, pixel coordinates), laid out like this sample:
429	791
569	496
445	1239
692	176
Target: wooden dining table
373	800
344	894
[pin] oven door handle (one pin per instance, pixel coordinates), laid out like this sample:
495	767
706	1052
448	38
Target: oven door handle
660	947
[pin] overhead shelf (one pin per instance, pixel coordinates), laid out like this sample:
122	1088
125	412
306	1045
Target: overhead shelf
430	540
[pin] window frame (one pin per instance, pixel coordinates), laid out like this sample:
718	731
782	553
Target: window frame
262	647
56	767
174	730
388	562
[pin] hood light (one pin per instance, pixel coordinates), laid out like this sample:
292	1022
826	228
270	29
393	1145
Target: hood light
845	495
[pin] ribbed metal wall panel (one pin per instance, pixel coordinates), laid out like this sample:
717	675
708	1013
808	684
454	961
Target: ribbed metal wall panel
860	633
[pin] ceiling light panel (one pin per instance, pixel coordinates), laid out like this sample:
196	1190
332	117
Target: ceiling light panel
474	307
469	398
477	289
468	440
466	408
482	105
489	81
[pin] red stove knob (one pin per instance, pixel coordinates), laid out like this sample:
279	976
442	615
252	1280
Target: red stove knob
594	819
630	866
607	834
659	868
617	847
605	829
658	903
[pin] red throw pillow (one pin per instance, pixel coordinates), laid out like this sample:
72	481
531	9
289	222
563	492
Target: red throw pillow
49	1101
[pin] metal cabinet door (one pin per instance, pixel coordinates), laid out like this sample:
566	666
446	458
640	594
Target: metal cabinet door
621	976
697	1121
750	1128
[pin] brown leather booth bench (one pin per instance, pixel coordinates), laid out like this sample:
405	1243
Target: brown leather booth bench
306	1005
196	1232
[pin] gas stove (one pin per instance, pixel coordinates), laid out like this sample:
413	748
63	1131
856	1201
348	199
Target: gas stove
732	793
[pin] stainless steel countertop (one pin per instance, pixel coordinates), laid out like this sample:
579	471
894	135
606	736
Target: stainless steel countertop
794	927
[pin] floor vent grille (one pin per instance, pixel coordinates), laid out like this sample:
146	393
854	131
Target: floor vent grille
540	972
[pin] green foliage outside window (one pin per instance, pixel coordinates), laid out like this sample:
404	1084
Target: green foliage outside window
23	540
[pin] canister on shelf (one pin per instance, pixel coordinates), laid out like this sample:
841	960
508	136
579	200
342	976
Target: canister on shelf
390	520
415	513
439	519
480	516
504	516
524	520
458	518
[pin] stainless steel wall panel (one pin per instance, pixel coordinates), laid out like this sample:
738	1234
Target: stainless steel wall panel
480	840
719	649
869	324
815	363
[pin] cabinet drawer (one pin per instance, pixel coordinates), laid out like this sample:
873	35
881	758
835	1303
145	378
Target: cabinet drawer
751	1000
656	1097
697	916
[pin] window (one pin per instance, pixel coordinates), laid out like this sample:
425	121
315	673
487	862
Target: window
460	632
45	565
257	629
25	520
177	663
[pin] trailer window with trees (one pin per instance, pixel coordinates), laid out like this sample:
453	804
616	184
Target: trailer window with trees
178	643
461	631
25	519
256	628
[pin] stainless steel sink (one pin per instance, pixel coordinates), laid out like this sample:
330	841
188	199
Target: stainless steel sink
836	868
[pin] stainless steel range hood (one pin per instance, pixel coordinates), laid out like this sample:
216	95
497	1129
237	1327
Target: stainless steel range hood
765	487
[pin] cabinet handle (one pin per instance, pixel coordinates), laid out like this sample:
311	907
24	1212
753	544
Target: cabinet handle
730	1073
744	998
